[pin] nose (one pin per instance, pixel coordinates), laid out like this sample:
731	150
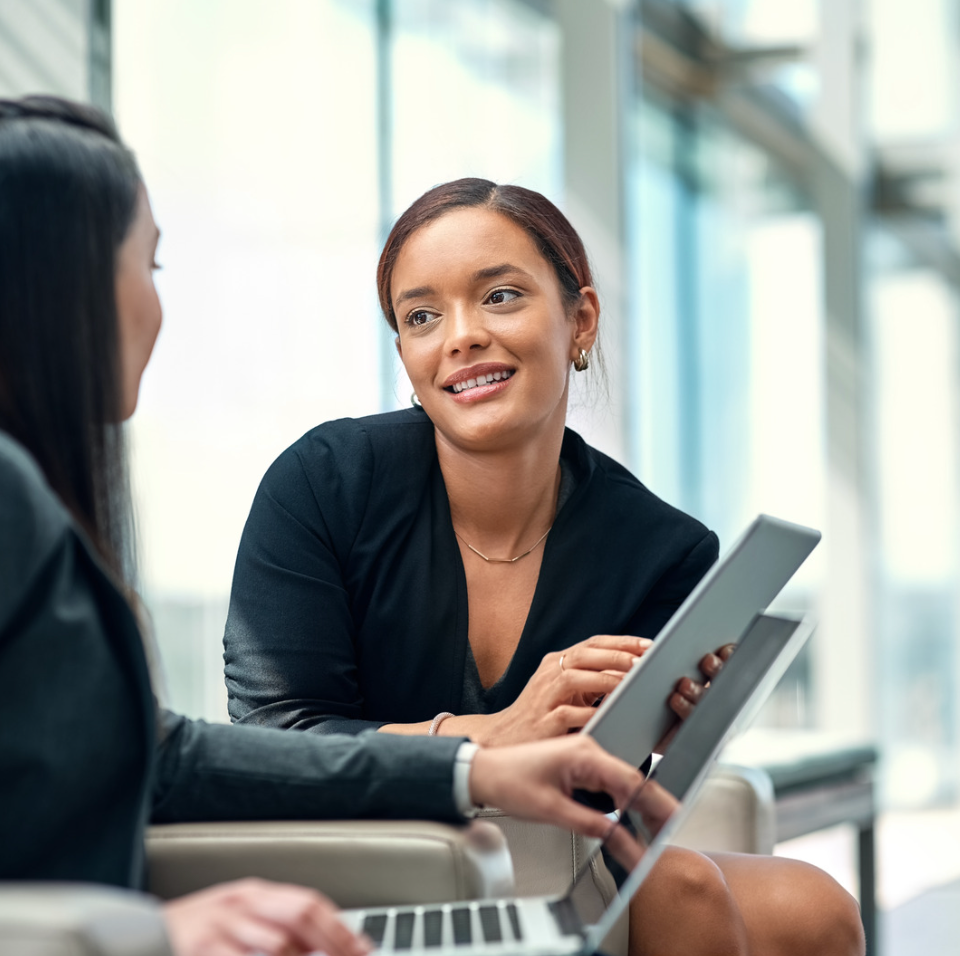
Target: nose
466	330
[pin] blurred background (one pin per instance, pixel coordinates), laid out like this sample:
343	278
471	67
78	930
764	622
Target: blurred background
769	190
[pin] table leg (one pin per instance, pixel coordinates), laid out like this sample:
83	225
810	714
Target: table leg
866	851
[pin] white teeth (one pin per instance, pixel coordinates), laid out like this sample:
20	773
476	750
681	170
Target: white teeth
487	379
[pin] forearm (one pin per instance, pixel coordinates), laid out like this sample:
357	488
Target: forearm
218	772
482	729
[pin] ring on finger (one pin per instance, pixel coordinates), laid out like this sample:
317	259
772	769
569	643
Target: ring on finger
562	656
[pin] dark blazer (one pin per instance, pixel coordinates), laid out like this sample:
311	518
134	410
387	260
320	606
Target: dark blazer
85	757
349	603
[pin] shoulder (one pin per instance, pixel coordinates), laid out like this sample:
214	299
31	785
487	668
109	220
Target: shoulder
343	460
33	521
625	506
355	446
30	512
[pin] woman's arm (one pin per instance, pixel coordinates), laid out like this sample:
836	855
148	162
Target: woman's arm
289	652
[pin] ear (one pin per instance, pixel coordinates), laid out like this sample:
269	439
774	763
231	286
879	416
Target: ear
399	347
586	316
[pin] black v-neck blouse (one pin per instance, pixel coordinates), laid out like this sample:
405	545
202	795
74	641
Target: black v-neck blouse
349	600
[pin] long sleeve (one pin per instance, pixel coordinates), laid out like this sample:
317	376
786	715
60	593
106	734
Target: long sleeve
289	653
223	772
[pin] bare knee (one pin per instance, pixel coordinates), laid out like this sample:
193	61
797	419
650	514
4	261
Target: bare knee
691	880
686	906
818	914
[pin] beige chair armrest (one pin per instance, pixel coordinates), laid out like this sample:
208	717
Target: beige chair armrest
734	813
78	919
355	863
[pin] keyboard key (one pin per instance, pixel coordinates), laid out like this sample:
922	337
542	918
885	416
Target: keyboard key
374	926
566	917
514	920
403	933
432	927
462	933
490	923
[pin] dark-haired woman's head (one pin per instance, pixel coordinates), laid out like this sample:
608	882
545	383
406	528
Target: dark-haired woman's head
489	290
74	227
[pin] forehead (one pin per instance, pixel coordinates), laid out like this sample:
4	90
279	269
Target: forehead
465	240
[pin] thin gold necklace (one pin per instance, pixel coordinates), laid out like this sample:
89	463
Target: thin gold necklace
502	560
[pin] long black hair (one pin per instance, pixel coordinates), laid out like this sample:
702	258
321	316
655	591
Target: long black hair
68	194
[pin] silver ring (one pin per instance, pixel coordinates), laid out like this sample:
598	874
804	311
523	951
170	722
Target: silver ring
562	656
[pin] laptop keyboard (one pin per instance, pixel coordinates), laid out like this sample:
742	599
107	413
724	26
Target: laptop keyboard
430	923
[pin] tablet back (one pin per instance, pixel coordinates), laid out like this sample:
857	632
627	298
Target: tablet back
631	721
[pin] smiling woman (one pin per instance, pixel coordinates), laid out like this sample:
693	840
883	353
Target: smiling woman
474	567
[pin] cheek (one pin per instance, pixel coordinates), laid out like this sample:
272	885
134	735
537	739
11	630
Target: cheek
148	314
140	319
417	360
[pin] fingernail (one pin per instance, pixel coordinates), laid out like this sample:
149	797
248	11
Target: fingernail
644	642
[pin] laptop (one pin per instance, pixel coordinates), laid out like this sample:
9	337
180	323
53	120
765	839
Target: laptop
633	719
537	926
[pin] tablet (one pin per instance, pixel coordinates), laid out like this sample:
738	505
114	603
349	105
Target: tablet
720	609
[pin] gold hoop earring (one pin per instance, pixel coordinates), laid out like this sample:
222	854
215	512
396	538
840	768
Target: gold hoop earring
414	401
582	362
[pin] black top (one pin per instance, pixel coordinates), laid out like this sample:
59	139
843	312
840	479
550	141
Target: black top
349	602
85	757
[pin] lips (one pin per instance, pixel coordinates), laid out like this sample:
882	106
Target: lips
487	379
477	376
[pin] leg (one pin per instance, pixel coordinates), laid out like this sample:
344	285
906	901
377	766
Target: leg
790	907
685	906
868	883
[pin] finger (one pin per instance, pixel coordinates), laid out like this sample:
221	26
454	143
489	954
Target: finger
566	812
725	652
618	642
590	767
711	665
569	717
335	939
590	684
583	657
251	933
310	919
680	705
690	690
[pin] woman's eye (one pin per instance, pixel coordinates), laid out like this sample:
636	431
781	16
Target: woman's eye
419	317
500	296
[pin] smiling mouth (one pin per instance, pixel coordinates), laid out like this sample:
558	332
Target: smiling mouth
487	379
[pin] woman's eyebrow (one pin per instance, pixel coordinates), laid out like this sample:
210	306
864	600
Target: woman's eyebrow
494	272
416	293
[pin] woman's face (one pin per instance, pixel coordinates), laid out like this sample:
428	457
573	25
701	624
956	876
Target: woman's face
138	305
484	334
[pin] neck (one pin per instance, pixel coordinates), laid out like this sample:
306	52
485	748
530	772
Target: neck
502	500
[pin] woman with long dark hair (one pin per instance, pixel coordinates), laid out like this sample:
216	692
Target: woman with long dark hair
86	757
473	566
